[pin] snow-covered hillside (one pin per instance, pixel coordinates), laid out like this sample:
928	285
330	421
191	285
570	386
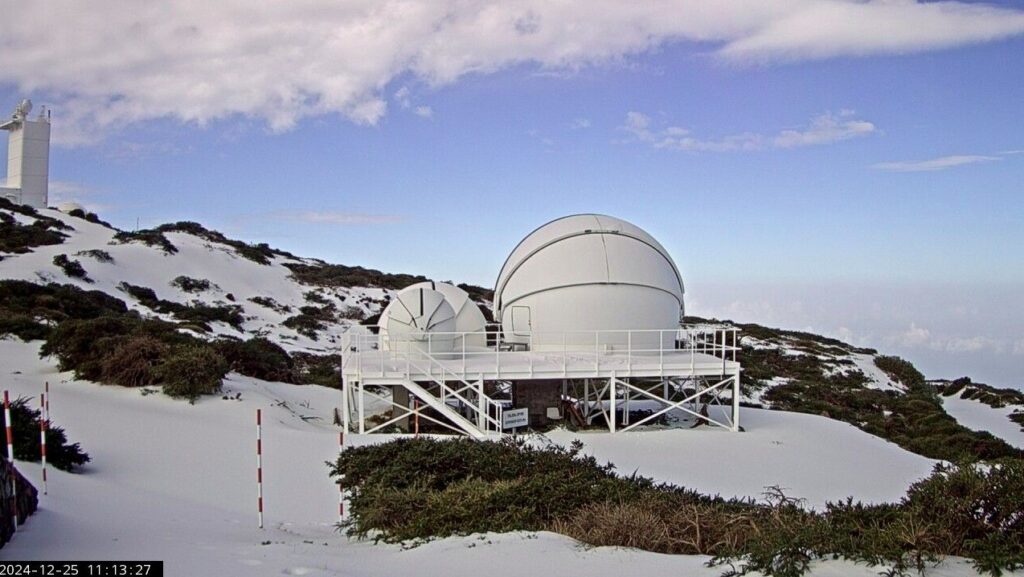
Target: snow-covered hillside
268	294
174	481
183	490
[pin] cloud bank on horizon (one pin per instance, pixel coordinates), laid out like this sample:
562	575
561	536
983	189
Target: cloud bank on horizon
111	62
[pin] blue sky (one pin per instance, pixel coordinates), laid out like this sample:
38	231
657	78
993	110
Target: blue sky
803	167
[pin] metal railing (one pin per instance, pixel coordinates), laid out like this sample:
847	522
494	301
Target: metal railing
448	351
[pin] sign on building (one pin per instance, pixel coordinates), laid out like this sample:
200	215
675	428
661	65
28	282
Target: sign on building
513	418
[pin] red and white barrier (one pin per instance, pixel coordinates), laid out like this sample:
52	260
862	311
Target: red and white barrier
44	424
259	464
46	405
10	453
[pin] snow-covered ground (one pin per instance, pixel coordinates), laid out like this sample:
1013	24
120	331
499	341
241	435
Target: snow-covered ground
981	417
175	482
198	258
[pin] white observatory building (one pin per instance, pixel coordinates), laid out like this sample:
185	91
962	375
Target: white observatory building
587	272
28	157
588	330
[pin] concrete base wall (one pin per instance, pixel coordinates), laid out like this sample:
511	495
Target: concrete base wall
538	396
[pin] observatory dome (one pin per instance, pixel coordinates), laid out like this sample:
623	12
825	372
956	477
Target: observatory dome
468	317
67	207
587	273
413	318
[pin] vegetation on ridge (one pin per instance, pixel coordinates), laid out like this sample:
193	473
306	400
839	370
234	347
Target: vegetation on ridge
414	489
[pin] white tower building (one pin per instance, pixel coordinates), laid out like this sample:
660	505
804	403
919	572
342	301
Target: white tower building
28	157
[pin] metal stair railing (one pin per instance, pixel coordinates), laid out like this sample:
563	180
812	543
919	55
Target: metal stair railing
489	404
435	403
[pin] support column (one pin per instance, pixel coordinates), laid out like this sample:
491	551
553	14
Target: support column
345	384
736	402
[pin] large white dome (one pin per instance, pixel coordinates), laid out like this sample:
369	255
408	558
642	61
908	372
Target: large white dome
587	272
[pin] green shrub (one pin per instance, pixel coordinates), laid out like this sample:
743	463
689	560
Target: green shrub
258	358
203	314
133	361
191	285
59	453
81	344
99	255
192	371
414	489
154	238
144	295
20	238
72	268
311	320
271	304
324	370
259	253
337	275
900	370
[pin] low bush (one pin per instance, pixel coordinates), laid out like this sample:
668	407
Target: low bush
271	304
324	370
900	370
97	254
27	309
192	371
259	253
72	268
311	319
154	238
16	237
338	275
192	285
59	452
258	358
414	489
202	314
133	361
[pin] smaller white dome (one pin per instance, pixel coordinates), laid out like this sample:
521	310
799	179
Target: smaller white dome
468	317
409	320
67	207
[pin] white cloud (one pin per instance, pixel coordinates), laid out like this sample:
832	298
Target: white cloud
580	124
424	111
402	97
822	129
915	336
941	163
283	61
1018	347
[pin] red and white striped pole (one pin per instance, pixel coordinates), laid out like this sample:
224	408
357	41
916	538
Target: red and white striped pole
46	405
43	425
10	454
259	464
341	491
